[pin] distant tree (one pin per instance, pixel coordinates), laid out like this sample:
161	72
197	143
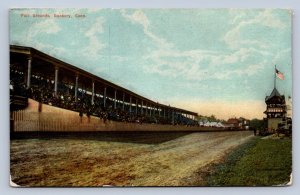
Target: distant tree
212	118
256	123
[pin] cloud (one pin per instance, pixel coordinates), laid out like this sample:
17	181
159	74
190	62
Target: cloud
139	17
44	27
166	60
265	18
244	57
198	65
51	50
281	57
95	46
237	15
47	26
96	28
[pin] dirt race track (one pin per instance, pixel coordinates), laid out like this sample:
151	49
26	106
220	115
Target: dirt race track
156	159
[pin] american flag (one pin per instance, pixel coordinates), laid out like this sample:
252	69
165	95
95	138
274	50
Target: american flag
279	74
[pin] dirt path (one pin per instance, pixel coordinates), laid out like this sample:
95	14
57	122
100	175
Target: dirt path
81	162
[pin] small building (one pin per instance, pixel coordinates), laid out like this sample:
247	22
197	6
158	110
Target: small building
238	123
276	110
244	123
233	123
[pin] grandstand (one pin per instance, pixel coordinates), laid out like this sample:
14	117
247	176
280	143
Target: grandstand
49	82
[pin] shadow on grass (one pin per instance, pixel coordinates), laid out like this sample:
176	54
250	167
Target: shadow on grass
149	137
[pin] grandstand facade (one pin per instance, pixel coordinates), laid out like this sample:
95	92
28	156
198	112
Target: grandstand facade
48	81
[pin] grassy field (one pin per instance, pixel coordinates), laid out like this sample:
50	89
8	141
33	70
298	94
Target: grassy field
260	162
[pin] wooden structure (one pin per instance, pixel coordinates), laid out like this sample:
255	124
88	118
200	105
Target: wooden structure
33	66
238	123
54	119
276	110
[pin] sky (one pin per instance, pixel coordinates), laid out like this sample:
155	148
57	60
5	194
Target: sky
210	61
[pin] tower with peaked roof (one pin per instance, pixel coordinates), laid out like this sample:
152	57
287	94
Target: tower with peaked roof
276	110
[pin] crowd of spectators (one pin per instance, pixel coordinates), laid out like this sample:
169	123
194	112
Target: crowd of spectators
42	90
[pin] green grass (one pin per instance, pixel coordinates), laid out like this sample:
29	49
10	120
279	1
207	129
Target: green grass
260	162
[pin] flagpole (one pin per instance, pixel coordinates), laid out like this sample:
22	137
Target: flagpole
275	77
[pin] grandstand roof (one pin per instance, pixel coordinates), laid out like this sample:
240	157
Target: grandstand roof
34	53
